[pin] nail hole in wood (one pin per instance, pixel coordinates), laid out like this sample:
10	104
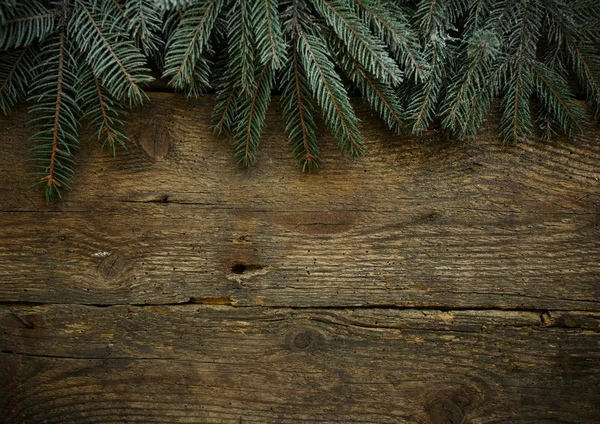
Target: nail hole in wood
240	268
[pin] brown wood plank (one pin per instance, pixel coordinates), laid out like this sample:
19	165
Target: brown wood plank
417	222
203	363
177	253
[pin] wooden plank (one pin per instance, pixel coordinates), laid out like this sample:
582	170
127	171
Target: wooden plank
178	253
206	363
417	222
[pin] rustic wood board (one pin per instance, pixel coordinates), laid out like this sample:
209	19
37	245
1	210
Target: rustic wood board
416	222
429	282
203	363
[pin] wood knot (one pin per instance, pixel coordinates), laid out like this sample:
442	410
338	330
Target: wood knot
112	266
448	405
445	411
304	339
155	140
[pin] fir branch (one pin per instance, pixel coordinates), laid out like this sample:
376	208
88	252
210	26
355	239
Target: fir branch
15	76
388	22
297	17
515	123
433	22
269	39
237	69
116	61
587	15
241	41
188	43
366	49
381	97
556	100
226	104
145	24
424	96
298	112
56	115
105	113
479	14
173	4
430	15
481	103
254	105
24	22
586	63
327	89
524	33
571	45
469	80
200	79
251	117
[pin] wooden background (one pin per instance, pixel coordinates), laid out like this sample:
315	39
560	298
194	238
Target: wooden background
431	281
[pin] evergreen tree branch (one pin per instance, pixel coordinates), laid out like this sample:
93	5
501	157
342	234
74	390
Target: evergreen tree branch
515	123
252	116
241	46
554	96
237	71
481	102
24	22
425	96
145	24
365	48
479	12
429	15
433	21
586	63
381	97
269	39
115	59
189	42
327	89
469	80
56	115
389	24
224	110
105	113
298	112
15	76
173	4
105	129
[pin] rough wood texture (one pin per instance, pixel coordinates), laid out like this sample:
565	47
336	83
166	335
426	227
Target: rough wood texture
416	222
205	363
431	281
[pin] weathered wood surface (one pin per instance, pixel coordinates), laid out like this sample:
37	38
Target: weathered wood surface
430	281
202	363
416	222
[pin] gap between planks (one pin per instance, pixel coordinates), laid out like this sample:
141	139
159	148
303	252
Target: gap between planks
545	316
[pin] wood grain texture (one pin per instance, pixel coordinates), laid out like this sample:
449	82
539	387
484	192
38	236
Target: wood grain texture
416	222
201	363
429	282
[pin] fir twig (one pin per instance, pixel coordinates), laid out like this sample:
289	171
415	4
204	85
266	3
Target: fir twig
56	116
115	60
298	112
327	88
15	75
